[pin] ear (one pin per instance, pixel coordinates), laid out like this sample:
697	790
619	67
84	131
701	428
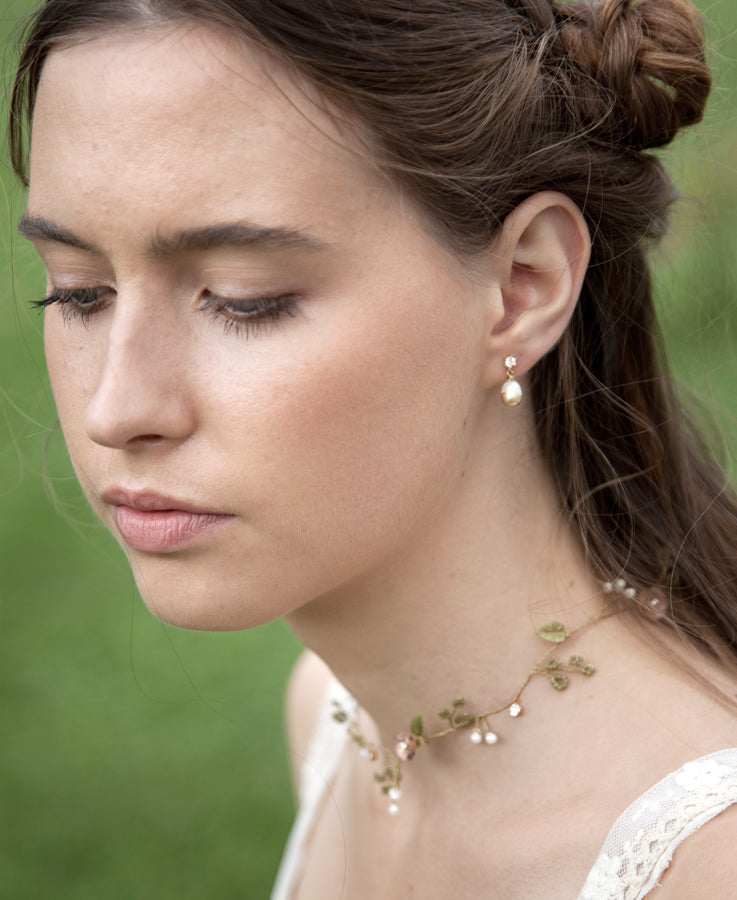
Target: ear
540	259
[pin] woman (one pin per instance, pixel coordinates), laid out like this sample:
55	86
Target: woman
296	252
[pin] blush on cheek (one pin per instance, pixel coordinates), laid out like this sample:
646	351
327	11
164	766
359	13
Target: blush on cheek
368	451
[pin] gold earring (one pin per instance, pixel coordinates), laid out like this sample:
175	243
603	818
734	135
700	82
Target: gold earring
511	389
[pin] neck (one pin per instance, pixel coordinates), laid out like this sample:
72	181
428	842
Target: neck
453	613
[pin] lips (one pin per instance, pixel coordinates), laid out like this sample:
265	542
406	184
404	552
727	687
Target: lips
152	523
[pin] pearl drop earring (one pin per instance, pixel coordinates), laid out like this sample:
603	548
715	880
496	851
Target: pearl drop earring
511	394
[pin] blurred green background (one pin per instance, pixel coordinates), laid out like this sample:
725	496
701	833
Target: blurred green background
137	760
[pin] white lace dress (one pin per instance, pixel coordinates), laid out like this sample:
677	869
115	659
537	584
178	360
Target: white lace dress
637	850
641	844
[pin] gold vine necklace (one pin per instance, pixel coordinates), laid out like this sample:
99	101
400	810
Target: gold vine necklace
457	717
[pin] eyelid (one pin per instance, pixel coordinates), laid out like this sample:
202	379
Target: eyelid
254	312
246	299
81	296
75	303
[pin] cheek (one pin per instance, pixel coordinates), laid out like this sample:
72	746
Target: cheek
69	359
361	437
75	357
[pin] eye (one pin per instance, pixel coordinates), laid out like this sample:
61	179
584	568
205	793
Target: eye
245	315
79	303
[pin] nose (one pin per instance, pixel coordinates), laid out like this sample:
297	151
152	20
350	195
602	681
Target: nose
141	395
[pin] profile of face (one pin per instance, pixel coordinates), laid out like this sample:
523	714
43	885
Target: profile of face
267	369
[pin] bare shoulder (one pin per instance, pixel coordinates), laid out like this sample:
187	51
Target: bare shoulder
705	865
305	691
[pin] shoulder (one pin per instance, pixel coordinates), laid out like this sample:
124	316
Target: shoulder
705	865
305	692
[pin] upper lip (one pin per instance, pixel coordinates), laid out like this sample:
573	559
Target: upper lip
150	501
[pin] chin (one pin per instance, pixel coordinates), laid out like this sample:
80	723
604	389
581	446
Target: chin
205	608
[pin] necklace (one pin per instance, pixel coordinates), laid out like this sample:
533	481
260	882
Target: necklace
458	717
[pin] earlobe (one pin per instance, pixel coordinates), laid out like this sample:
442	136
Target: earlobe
540	256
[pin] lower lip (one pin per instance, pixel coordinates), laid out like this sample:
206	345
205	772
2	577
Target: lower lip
165	530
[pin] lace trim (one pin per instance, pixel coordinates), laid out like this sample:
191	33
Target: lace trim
641	844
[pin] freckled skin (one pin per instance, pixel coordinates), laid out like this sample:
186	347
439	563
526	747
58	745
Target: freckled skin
335	435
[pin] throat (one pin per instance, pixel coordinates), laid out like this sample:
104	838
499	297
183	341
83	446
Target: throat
476	723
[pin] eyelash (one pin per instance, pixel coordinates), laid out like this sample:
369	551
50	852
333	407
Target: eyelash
75	304
245	316
236	316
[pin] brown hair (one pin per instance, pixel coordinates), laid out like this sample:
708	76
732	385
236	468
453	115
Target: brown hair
475	106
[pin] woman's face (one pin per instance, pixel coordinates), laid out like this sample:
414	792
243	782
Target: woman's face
263	365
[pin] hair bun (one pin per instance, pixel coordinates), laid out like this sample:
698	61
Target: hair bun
649	56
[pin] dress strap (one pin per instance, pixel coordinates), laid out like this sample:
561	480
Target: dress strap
642	842
317	774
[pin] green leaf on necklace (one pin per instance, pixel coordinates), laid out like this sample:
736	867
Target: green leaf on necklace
559	681
555	632
417	727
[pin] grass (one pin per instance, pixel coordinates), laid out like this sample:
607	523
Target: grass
142	761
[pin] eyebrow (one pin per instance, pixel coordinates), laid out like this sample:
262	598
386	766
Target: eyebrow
37	228
234	234
206	237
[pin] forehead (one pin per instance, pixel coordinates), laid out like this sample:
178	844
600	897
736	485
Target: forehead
187	118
